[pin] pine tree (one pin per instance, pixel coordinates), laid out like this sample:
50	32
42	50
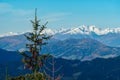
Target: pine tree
33	59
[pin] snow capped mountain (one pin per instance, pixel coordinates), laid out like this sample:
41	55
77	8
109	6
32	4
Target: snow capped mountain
49	31
108	36
11	34
88	30
83	30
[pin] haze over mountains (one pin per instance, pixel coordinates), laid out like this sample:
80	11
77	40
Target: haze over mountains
84	42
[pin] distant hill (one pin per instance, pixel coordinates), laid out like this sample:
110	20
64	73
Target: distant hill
97	69
82	49
13	43
108	36
9	56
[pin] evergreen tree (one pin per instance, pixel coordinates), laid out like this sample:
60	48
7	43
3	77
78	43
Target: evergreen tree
33	59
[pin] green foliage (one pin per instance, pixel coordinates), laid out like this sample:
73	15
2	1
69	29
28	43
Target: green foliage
34	76
32	58
34	61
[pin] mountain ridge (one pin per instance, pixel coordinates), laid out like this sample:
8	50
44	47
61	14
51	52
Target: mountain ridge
83	29
97	69
81	49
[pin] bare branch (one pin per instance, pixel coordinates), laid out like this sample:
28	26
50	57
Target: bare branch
47	68
58	69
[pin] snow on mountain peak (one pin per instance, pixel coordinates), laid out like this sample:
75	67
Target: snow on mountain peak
9	34
79	30
83	29
49	31
88	30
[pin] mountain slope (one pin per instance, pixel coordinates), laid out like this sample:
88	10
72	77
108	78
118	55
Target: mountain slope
83	49
108	36
111	39
72	48
97	69
8	56
13	43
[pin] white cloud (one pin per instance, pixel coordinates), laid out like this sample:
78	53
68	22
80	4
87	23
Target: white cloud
18	20
7	8
13	19
56	16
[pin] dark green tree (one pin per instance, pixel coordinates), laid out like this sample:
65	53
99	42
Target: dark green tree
33	58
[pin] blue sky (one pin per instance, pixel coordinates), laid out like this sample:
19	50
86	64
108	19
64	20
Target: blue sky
15	15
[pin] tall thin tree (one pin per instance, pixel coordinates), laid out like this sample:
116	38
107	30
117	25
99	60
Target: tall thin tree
33	59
